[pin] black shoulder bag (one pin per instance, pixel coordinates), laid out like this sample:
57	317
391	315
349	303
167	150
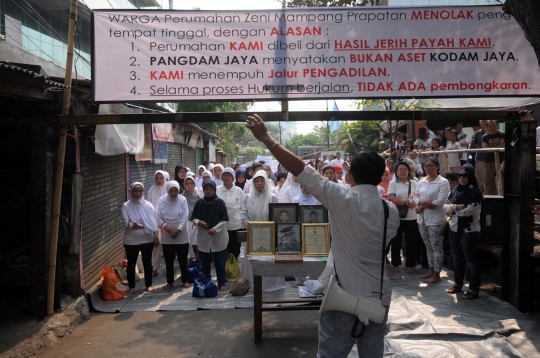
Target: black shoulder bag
403	210
383	263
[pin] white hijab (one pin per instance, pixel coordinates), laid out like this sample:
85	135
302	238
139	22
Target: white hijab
292	187
141	212
155	191
258	201
171	210
219	181
306	199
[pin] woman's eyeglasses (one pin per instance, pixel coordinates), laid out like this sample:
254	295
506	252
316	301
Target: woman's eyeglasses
465	175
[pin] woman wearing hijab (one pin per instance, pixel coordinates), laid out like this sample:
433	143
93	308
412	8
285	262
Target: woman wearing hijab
465	204
199	180
255	204
271	176
192	195
400	192
180	172
210	216
430	196
233	197
218	171
338	169
391	165
157	190
291	189
240	179
172	214
140	235
305	198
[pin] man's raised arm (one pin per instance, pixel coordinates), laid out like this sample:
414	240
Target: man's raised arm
290	161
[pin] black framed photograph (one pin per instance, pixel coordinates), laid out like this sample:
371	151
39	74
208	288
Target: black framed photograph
289	237
313	214
284	212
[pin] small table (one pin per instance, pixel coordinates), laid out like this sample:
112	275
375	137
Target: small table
312	266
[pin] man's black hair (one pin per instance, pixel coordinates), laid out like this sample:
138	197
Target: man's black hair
281	175
313	212
367	168
256	166
284	211
451	176
423	132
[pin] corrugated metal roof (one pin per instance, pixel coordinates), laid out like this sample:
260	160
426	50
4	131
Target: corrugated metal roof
35	78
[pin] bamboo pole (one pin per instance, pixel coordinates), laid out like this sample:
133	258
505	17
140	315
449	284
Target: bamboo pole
498	178
60	157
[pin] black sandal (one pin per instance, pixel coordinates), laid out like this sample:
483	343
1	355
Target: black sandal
470	295
454	289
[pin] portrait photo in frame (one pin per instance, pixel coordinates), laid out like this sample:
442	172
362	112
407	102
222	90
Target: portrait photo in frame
315	239
289	237
284	212
313	214
261	238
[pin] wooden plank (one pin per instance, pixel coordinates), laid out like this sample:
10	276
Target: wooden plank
257	308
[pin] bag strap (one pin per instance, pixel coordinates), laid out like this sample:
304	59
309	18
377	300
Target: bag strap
384	250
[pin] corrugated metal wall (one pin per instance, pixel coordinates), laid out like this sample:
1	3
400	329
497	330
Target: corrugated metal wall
143	172
198	158
188	157
104	192
174	158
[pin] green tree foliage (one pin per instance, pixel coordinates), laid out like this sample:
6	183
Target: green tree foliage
299	140
252	152
365	136
323	132
228	133
325	3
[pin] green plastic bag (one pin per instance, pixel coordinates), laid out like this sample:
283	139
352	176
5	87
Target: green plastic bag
232	269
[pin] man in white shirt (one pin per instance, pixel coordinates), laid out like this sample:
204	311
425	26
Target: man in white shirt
463	141
338	160
357	226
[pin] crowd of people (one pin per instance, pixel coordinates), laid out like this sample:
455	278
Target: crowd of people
198	216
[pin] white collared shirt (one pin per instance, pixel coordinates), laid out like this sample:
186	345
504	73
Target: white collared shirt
356	225
401	191
233	198
437	191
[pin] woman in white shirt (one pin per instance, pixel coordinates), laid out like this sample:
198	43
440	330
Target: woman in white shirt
199	180
172	214
210	216
141	234
465	205
400	192
192	195
255	205
218	170
157	190
305	198
233	197
430	196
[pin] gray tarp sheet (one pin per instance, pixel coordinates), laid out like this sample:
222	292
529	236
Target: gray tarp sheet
424	321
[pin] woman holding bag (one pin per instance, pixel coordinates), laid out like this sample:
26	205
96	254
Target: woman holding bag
233	197
192	195
400	192
172	213
210	216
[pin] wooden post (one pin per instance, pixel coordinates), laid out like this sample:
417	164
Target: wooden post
498	179
518	228
257	309
61	153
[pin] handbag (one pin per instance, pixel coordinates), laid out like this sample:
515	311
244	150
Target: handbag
232	269
193	274
403	210
204	287
240	287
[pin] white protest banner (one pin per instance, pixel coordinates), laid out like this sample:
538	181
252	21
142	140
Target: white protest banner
274	164
265	158
308	53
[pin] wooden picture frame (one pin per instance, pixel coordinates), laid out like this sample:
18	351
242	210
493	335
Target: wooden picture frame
284	257
288	237
284	212
315	239
314	214
261	238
